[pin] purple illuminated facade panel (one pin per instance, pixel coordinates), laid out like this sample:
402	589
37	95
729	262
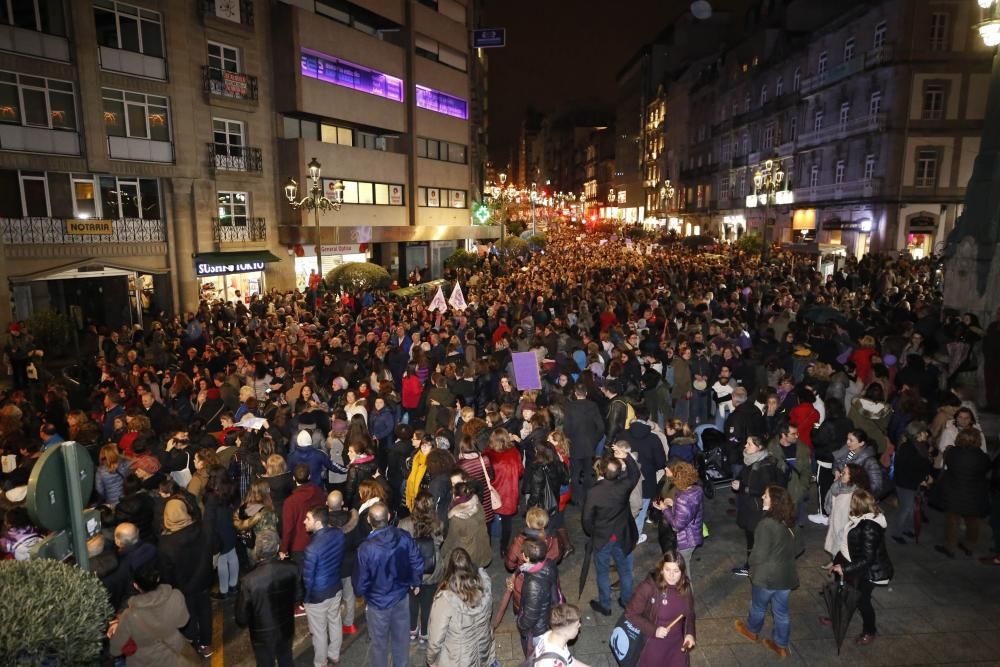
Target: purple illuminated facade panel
349	75
434	100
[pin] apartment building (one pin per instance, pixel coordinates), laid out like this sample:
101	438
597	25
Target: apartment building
379	92
870	113
144	146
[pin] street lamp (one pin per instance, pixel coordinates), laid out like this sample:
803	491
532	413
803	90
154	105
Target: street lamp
989	30
315	202
767	180
666	195
534	198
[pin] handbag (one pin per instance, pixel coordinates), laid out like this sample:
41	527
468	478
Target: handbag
183	476
550	503
626	642
496	502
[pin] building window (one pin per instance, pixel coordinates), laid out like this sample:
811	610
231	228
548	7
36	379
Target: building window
838	174
746	143
135	115
768	137
331	134
37	102
818	121
814	176
130	28
223	57
927	168
875	104
869	166
349	75
434	100
40	15
228	137
763	95
793	128
371	194
878	40
939	31
933	101
35	194
234	208
821	65
435	149
845	114
796	80
779	86
746	102
433	50
442	198
130	198
849	49
84	196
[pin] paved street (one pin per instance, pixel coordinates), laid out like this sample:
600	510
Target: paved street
937	611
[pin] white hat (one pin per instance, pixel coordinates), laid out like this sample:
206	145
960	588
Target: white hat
304	439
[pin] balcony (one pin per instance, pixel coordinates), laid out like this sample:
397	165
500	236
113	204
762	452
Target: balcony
33	43
32	231
130	62
38	140
872	58
863	188
223	157
876	123
229	85
239	12
254	230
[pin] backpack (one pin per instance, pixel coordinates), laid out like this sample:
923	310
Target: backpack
629	413
426	547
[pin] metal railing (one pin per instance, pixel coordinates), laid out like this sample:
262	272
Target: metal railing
870	123
872	58
56	230
208	8
834	191
226	157
234	85
255	229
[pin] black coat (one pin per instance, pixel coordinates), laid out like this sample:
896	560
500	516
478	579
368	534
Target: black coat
266	602
584	427
744	421
652	458
753	480
554	474
911	467
186	560
357	473
606	510
831	436
537	594
869	557
964	487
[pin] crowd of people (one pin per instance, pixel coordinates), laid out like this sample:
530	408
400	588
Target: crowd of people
311	454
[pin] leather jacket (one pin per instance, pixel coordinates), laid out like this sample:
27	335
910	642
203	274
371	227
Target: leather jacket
869	557
552	474
266	600
537	597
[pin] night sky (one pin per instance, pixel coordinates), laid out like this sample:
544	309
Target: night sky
561	54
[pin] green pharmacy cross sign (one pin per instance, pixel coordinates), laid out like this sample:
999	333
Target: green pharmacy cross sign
482	214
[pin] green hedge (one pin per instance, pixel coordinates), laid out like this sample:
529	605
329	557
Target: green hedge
358	276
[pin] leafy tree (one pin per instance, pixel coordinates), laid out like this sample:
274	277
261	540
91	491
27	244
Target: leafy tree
514	246
537	242
358	277
751	244
462	259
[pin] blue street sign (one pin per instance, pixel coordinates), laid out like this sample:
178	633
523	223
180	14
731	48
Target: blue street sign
487	38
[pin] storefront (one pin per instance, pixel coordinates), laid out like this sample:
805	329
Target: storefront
804	226
733	227
333	256
920	233
231	275
853	235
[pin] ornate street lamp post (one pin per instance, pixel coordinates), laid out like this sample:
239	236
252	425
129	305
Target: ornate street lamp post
767	180
316	202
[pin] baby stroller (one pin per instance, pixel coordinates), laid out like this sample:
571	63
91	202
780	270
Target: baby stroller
713	459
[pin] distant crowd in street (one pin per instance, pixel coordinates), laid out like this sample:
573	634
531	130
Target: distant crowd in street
328	455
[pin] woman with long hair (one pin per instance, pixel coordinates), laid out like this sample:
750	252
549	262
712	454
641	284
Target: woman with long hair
506	460
773	575
685	511
460	632
425	527
838	507
112	469
279	478
479	470
663	608
254	515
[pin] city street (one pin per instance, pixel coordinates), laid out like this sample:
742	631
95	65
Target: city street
935	612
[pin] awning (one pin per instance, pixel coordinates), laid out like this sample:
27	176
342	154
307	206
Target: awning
228	263
86	268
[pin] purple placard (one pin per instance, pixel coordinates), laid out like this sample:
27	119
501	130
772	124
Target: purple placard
526	375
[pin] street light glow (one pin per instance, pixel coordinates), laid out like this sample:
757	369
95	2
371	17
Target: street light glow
990	32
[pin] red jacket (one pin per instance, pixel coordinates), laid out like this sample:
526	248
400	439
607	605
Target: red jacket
293	533
862	358
804	417
508	469
412	388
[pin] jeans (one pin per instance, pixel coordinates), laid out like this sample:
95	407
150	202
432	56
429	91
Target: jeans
350	602
581	478
602	564
641	519
325	628
388	632
759	599
229	571
420	609
268	653
904	517
682	410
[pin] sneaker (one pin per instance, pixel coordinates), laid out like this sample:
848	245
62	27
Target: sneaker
300	611
599	608
422	640
643	538
864	640
742	571
819	518
215	595
350	629
205	651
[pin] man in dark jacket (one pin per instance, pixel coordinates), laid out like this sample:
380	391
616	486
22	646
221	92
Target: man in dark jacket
389	565
347	521
132	554
266	603
321	579
618	409
159	416
745	420
652	461
607	520
304	452
584	427
539	591
186	564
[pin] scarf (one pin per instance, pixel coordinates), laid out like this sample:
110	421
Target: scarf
458	501
750	459
417	469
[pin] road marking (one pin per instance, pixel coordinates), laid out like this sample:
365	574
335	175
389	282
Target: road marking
218	636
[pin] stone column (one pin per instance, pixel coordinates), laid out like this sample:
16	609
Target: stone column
181	241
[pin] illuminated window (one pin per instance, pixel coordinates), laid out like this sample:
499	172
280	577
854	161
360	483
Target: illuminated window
136	115
434	100
349	75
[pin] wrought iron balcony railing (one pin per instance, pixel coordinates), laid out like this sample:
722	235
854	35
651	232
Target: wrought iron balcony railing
75	231
225	157
253	229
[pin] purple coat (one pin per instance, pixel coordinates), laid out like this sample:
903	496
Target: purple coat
686	516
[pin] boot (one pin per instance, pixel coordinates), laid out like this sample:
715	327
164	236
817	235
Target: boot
566	547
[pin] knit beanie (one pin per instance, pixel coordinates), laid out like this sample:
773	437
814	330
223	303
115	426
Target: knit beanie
304	439
175	515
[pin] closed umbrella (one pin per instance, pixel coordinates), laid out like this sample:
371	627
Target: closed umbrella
588	551
841	602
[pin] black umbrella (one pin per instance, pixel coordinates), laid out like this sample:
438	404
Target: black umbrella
822	314
588	551
841	601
